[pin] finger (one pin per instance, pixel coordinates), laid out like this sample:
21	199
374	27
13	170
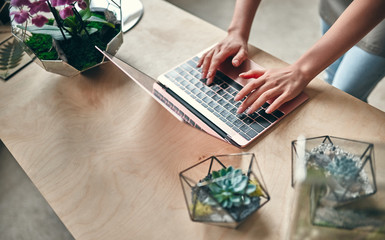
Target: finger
216	60
253	73
239	57
201	59
206	64
278	102
256	83
264	97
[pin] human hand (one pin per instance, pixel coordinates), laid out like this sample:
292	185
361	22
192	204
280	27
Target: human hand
232	45
277	85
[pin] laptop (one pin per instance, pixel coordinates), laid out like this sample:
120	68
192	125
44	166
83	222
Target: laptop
211	109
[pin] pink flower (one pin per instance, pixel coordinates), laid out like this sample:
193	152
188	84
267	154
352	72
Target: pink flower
20	17
39	6
66	12
82	4
20	3
56	3
39	20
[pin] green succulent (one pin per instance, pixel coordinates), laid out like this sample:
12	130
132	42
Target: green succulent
230	187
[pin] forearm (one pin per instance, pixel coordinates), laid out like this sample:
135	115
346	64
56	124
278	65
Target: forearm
243	16
357	20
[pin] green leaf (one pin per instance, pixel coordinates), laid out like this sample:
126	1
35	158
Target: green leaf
241	185
98	19
53	31
235	199
214	188
85	14
238	172
246	201
219	197
92	30
222	172
215	174
250	188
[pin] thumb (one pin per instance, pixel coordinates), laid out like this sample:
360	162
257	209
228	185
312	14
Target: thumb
239	58
254	73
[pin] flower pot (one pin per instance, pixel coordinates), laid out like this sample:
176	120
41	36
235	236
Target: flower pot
345	166
66	67
336	187
224	190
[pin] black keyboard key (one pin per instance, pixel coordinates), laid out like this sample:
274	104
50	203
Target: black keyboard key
252	133
245	136
212	104
200	95
231	118
206	99
263	122
229	81
196	59
228	106
216	97
269	117
248	121
221	92
210	93
238	123
222	102
254	115
265	105
186	67
192	63
224	85
227	96
245	128
278	113
258	128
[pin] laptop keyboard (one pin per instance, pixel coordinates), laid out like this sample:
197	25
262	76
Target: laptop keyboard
218	98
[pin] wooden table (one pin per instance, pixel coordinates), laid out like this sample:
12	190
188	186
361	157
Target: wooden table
106	156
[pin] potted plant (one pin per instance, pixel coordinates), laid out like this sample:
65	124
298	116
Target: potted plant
224	190
62	34
336	187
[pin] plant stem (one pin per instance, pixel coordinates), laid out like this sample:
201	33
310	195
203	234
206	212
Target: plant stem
58	20
77	15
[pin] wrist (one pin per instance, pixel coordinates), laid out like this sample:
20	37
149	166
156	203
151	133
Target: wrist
305	70
238	32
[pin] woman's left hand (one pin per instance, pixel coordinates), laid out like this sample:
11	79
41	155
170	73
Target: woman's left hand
277	85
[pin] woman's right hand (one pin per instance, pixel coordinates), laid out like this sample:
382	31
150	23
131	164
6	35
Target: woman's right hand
232	46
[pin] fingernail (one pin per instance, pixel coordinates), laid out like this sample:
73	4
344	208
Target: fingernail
249	111
268	110
240	110
236	98
236	62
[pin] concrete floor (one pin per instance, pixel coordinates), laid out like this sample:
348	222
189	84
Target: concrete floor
285	29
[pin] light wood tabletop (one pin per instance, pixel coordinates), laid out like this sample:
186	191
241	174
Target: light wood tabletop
106	156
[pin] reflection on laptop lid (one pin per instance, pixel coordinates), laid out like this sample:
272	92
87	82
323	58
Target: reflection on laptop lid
210	108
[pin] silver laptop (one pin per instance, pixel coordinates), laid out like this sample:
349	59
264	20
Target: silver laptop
209	108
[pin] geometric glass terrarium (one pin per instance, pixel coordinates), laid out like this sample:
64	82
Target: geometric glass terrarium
347	166
224	190
65	44
336	187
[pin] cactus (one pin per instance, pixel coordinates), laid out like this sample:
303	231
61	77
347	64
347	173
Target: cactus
229	187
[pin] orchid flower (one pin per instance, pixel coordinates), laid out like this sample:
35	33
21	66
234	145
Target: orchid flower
66	12
39	20
20	3
20	17
38	6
